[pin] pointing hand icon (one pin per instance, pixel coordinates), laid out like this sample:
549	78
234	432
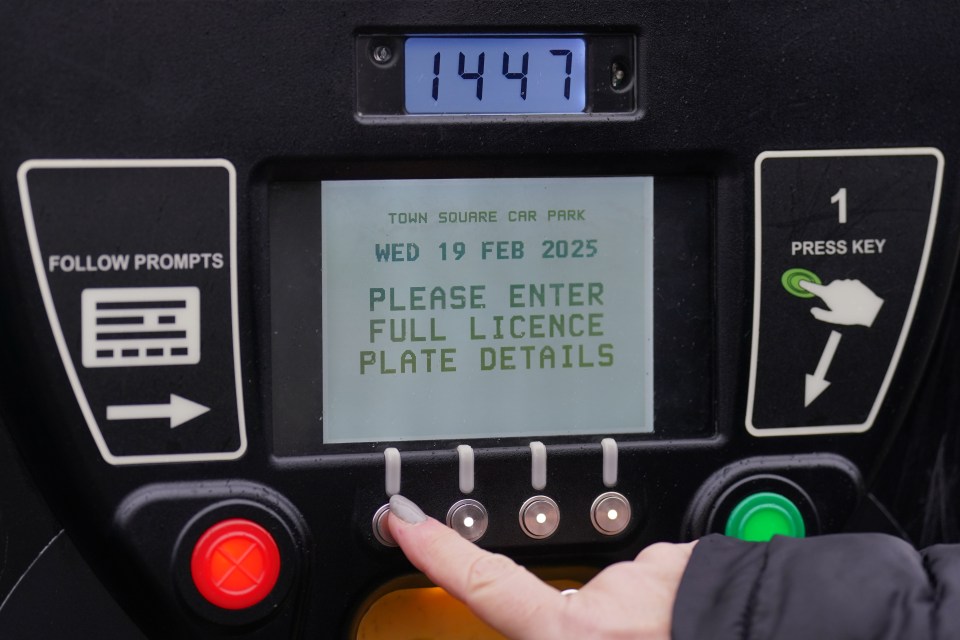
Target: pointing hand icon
850	302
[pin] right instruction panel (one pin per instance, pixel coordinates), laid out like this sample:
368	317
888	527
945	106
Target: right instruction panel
842	242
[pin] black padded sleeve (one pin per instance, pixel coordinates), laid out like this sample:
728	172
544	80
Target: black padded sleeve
848	586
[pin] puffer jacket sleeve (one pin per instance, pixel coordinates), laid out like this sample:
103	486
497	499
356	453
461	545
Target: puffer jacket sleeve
848	586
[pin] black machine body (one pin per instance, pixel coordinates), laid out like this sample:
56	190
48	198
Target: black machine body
250	275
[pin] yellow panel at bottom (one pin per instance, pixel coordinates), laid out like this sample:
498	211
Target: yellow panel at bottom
428	613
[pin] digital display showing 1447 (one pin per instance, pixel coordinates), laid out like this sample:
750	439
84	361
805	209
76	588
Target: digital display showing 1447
486	307
477	75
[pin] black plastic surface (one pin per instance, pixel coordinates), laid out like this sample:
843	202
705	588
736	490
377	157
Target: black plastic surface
60	597
26	524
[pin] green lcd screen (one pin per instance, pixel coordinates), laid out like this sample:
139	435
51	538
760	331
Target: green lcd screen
490	307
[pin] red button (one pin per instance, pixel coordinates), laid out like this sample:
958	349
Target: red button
235	564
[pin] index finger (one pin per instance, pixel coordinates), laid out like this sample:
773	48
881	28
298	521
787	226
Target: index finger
502	593
812	287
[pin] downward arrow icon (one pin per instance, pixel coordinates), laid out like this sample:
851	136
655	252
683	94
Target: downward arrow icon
178	411
817	383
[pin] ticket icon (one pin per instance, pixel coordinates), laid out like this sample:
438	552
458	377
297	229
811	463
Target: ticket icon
140	326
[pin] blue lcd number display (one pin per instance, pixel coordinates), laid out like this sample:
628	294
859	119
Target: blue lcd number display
482	75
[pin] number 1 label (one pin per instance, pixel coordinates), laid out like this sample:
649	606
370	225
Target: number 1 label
840	198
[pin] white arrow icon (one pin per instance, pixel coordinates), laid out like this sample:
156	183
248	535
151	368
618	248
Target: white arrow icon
817	383
178	410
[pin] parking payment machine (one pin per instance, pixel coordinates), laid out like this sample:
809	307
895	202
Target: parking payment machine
576	278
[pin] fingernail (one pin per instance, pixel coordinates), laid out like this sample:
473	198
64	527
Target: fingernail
406	510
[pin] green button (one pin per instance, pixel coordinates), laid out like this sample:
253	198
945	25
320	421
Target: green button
792	278
763	515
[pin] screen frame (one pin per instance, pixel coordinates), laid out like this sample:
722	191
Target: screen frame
690	388
380	90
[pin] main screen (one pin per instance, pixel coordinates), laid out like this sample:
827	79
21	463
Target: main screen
486	307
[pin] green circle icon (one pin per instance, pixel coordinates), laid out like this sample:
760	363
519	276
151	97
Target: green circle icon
761	516
792	278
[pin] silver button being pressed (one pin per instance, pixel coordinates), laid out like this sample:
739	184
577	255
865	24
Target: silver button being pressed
381	531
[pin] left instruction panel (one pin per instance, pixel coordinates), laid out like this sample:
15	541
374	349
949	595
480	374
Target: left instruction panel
136	262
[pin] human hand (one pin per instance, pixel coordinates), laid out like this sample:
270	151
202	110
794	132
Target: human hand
626	600
850	302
